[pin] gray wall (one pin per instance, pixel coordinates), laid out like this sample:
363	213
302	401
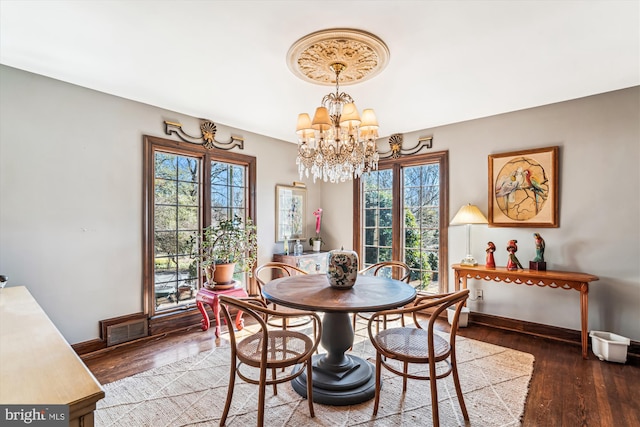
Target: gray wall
71	195
599	207
71	209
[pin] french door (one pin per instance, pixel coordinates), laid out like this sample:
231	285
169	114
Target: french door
188	187
401	213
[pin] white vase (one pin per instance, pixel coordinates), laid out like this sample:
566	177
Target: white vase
342	268
316	245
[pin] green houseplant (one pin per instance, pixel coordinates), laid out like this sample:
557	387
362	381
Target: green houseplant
224	245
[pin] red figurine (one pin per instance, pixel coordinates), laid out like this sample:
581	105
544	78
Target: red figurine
491	248
513	263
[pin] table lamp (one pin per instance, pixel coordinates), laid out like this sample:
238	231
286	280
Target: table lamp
467	215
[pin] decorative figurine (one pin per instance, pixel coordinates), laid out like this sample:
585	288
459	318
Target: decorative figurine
538	262
491	248
513	263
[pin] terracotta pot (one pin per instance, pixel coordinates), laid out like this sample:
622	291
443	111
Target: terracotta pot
221	277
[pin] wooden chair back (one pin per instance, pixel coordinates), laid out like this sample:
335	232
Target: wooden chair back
394	269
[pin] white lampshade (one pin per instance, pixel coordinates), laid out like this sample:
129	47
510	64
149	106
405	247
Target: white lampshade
321	120
469	214
303	128
304	123
350	116
369	120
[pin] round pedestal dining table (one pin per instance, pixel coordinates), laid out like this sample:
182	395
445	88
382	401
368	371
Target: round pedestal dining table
339	378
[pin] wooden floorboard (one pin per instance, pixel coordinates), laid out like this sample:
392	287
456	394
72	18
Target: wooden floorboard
565	390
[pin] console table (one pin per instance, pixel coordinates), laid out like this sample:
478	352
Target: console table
38	366
554	279
311	262
210	296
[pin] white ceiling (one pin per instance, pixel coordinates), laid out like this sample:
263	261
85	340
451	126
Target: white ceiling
225	61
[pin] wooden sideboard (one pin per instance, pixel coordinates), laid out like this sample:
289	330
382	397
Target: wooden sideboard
38	366
311	262
554	279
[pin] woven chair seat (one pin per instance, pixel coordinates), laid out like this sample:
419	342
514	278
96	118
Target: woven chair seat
284	348
411	344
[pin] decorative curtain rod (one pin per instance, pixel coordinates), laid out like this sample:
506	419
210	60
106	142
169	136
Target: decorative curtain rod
208	137
395	142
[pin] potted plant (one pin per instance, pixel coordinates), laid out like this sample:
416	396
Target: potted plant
224	245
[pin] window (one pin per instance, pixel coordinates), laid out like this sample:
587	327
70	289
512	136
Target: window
401	213
177	206
186	188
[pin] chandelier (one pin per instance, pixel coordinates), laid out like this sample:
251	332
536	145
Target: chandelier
338	144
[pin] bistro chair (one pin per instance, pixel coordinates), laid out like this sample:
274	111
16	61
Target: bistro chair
279	269
385	269
415	345
268	349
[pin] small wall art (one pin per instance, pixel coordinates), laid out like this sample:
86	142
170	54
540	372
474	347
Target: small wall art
523	188
291	208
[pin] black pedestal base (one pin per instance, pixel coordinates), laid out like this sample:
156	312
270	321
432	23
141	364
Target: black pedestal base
352	383
538	266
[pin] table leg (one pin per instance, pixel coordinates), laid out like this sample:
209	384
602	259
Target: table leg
205	317
216	314
584	318
338	378
239	321
458	279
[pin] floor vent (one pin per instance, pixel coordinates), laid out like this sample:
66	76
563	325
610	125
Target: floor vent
118	332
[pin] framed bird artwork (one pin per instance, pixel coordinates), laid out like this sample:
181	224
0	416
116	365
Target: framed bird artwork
523	188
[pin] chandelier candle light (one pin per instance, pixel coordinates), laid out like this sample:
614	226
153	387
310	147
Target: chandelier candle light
338	144
467	215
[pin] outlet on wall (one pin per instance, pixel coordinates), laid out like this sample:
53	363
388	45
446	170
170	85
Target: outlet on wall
479	294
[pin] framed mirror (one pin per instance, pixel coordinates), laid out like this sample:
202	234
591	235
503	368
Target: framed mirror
291	211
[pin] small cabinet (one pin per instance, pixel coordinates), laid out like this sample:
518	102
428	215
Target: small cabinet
311	262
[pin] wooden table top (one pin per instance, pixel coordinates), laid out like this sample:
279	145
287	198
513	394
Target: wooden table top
481	270
313	292
38	365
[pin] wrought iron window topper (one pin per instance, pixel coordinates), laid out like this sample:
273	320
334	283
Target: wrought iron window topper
395	143
208	137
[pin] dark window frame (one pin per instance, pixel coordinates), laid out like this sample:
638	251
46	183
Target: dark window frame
152	144
440	157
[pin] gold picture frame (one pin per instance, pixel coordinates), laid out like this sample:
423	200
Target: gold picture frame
523	188
291	211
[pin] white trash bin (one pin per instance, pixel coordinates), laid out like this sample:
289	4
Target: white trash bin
463	320
609	347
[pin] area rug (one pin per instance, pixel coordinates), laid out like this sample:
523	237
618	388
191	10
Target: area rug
192	392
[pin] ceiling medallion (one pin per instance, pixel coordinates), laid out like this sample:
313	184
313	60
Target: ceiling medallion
363	55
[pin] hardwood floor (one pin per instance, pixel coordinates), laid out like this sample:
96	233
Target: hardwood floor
565	390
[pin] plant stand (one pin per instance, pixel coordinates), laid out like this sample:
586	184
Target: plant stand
210	297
